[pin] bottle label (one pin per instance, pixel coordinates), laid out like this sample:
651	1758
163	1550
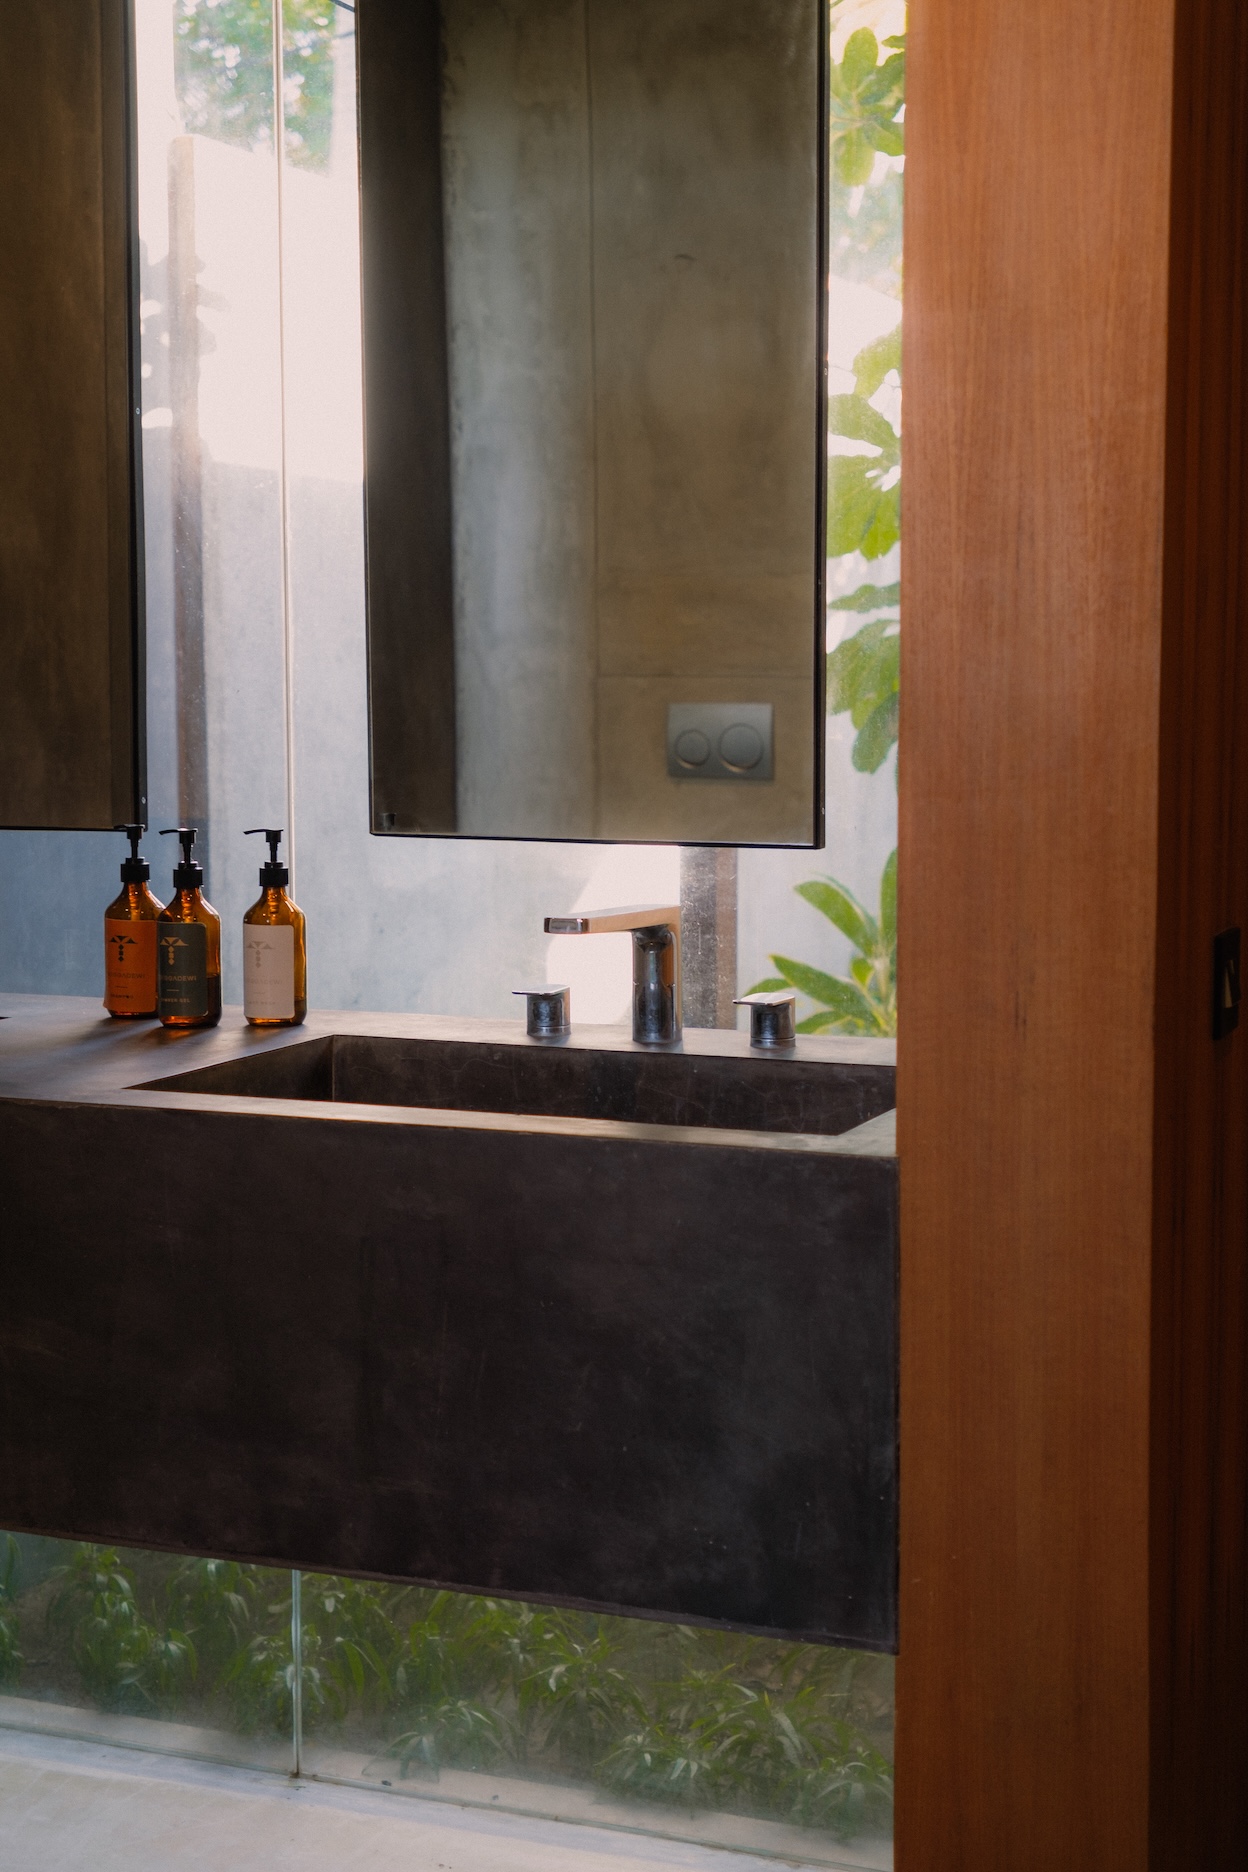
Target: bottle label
129	965
268	971
182	975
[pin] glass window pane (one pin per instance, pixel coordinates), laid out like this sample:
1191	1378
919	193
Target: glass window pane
146	1650
697	1734
783	922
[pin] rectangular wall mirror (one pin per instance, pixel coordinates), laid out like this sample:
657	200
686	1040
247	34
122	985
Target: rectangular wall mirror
71	541
593	264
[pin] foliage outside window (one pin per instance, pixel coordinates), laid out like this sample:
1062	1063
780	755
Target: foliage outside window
425	1681
223	54
866	99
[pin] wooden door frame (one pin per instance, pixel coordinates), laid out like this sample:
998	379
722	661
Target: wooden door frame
1074	832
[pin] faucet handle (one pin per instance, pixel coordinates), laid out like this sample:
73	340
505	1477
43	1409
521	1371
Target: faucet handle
606	922
771	1018
549	1010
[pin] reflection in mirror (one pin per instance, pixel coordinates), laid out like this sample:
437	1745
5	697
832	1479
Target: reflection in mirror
592	246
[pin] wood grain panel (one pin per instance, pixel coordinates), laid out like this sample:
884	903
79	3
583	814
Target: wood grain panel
1073	829
70	535
1037	231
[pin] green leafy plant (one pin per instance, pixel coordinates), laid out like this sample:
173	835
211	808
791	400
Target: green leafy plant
223	52
124	1660
866	1001
349	1652
751	1735
260	1683
216	1600
660	1712
864	515
460	1730
10	1647
865	99
578	1692
867	93
664	1713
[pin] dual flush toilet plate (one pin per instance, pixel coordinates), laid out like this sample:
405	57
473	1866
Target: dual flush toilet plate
720	740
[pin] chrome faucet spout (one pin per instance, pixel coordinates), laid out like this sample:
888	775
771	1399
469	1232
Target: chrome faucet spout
655	929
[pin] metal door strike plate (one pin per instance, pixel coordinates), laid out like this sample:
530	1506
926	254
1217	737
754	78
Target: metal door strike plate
1225	983
720	740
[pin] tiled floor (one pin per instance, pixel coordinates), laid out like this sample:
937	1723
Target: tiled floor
70	1806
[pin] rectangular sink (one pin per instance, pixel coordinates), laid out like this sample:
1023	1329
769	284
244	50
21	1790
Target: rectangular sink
783	1094
418	1298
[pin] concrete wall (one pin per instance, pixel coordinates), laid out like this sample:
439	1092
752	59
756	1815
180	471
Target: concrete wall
519	265
706	291
631	215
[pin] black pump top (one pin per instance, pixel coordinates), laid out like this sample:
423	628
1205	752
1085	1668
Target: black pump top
188	875
134	870
274	875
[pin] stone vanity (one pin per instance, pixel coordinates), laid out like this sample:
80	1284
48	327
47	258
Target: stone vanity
424	1299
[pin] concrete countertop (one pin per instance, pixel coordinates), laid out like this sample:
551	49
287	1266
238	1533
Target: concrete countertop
66	1049
648	1367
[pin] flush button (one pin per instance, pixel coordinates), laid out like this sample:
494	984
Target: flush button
692	748
720	740
741	747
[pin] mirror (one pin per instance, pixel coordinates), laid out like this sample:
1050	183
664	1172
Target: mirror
71	540
594	411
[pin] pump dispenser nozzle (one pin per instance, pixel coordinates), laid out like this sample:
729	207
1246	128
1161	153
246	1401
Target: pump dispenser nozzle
188	875
134	869
273	875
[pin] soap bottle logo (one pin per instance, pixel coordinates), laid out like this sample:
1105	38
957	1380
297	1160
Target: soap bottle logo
257	947
119	945
169	944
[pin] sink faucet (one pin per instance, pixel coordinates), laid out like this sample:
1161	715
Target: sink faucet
656	963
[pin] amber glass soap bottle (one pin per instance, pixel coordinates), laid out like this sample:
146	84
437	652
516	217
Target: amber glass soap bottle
188	946
275	956
130	939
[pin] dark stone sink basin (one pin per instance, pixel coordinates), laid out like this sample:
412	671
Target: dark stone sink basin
419	1298
785	1094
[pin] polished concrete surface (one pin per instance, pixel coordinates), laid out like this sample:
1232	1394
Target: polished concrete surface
67	1806
644	1367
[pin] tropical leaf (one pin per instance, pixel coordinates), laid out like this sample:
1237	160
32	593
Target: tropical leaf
876	360
877	736
854	158
883	89
859	421
845	999
888	904
864	675
836	903
884	528
862	516
860	59
839	1023
867	598
864	669
865	96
